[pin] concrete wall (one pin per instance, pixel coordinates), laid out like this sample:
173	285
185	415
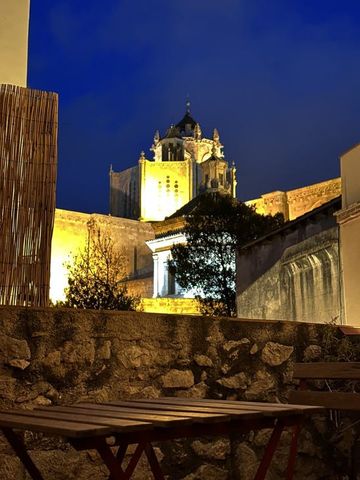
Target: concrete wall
71	233
294	274
55	356
14	26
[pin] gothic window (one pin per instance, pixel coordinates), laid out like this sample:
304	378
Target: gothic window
165	153
221	179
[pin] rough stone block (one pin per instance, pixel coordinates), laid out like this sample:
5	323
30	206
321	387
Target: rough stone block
178	379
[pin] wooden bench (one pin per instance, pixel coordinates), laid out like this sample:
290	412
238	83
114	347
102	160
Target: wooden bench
326	371
331	399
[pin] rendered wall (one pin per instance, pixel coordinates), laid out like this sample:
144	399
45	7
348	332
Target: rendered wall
54	357
350	176
71	233
14	26
302	285
349	220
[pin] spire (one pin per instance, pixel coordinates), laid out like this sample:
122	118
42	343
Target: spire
197	132
188	104
156	137
216	136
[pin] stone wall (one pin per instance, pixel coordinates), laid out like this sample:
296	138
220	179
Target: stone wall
182	306
297	202
302	285
55	356
71	234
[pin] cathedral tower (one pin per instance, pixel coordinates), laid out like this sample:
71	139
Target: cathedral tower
184	164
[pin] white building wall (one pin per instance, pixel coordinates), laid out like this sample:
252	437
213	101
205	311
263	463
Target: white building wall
14	28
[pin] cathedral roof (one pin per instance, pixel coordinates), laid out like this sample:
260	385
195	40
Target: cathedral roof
173	132
186	122
192	206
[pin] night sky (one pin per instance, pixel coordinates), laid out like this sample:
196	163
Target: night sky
279	79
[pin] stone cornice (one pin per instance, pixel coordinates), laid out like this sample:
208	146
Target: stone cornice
169	226
347	214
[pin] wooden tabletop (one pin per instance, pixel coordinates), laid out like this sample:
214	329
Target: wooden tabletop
104	419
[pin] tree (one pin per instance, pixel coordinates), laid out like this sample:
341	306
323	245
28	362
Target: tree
215	228
96	276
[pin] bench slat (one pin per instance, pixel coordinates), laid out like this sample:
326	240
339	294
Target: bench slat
328	370
86	411
199	409
276	409
334	400
51	426
138	409
119	425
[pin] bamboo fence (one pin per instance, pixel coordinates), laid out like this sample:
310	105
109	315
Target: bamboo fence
28	168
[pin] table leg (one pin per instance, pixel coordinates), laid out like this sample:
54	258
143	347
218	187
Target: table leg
134	459
153	462
19	448
269	452
116	472
120	454
293	451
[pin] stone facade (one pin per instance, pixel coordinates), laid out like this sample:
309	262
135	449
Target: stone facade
294	203
71	234
57	356
293	274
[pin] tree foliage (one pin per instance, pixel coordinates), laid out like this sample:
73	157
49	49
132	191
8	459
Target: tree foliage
216	227
96	276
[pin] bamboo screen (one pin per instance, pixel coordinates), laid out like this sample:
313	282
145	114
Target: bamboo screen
28	167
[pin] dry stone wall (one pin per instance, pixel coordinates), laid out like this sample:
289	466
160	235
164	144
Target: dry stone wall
57	356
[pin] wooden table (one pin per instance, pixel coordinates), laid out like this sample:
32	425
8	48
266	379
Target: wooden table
142	422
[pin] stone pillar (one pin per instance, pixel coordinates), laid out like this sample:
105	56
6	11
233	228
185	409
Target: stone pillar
156	274
142	164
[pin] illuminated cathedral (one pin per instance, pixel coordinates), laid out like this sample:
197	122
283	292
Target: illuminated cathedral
184	165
